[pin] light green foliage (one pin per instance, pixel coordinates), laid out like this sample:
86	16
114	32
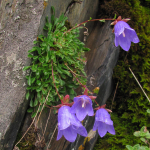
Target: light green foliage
137	147
58	49
144	137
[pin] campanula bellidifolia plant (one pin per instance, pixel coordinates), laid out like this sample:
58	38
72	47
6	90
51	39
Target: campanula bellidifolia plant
58	68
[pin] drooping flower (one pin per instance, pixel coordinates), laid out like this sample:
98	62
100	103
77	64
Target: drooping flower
82	106
124	35
69	125
103	122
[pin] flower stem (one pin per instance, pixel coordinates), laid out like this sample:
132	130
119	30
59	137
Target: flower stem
85	22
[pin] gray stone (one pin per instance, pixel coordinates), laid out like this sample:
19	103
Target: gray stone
19	28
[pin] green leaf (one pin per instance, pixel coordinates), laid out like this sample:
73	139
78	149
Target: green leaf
144	148
30	55
129	147
35	102
137	133
30	110
27	95
53	10
49	53
61	82
26	68
35	42
86	49
41	59
90	19
148	111
136	147
35	57
37	73
71	91
71	85
44	91
31	103
38	95
32	50
115	16
29	81
67	72
59	70
33	115
52	19
41	37
34	68
148	136
38	82
144	133
47	58
38	89
32	80
143	140
49	27
63	76
53	57
102	20
142	129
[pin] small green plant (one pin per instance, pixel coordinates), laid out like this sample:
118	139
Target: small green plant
54	57
144	136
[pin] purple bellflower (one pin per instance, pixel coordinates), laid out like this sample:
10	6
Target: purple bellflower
69	125
103	122
124	34
82	106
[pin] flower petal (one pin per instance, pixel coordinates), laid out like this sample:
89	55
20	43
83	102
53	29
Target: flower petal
81	113
75	106
81	130
131	34
76	99
101	114
64	116
75	121
60	133
102	129
89	110
95	127
116	41
110	129
120	27
70	134
124	42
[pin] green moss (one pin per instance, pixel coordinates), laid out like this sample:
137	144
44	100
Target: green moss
130	103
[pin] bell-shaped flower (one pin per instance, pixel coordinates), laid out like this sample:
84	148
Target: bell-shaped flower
103	122
69	125
124	35
82	106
